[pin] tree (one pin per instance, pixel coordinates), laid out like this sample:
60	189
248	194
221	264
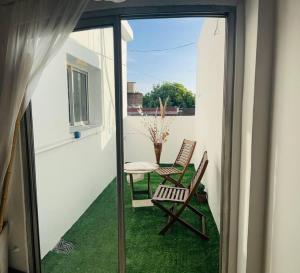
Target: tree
178	95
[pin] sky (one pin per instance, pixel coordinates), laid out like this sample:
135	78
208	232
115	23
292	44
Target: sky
146	67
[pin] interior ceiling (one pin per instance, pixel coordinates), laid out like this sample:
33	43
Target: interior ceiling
100	5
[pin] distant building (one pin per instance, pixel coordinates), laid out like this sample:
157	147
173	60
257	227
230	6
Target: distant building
134	98
131	87
135	101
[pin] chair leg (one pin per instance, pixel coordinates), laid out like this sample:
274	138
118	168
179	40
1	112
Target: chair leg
202	217
164	181
172	219
201	233
169	213
175	217
131	186
195	211
173	181
177	183
172	209
149	187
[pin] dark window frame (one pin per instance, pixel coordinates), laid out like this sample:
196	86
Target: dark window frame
71	96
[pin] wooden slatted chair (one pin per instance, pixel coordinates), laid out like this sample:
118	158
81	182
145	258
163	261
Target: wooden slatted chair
181	197
183	159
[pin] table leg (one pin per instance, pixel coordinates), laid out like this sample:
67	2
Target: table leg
149	188
131	185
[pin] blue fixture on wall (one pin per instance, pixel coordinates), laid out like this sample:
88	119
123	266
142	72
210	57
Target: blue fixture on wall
77	134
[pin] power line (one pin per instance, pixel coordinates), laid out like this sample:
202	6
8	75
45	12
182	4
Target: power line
161	49
129	71
145	74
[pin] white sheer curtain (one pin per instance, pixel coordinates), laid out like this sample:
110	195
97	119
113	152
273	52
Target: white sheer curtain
31	32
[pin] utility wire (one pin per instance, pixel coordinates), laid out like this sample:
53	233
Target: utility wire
145	74
129	71
161	49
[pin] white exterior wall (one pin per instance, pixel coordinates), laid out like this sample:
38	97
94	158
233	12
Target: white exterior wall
251	22
283	240
137	147
72	173
209	107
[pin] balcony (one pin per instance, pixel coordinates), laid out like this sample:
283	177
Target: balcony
94	236
76	163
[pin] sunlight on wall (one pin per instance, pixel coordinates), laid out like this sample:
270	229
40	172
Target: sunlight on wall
73	172
209	107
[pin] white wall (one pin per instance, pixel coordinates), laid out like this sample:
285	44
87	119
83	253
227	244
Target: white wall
72	173
209	107
251	22
283	240
257	94
127	36
137	147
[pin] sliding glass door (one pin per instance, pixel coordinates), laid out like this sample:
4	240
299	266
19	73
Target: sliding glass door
91	210
75	109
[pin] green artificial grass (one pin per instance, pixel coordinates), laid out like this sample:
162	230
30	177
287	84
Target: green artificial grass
95	238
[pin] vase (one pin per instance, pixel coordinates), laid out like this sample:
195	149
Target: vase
157	150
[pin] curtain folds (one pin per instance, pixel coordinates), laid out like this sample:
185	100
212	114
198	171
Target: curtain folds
32	31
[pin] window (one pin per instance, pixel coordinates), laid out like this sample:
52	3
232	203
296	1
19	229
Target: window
78	96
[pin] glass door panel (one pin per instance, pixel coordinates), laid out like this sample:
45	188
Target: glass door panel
75	155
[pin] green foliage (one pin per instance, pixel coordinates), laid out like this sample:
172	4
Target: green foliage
178	95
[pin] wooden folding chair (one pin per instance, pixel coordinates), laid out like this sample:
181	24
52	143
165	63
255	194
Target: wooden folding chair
181	197
183	159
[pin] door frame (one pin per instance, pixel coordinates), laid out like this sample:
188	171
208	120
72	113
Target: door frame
112	18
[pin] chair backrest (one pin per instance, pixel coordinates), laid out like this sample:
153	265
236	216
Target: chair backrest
186	152
199	174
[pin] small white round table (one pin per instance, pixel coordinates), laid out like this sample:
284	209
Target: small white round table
133	168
